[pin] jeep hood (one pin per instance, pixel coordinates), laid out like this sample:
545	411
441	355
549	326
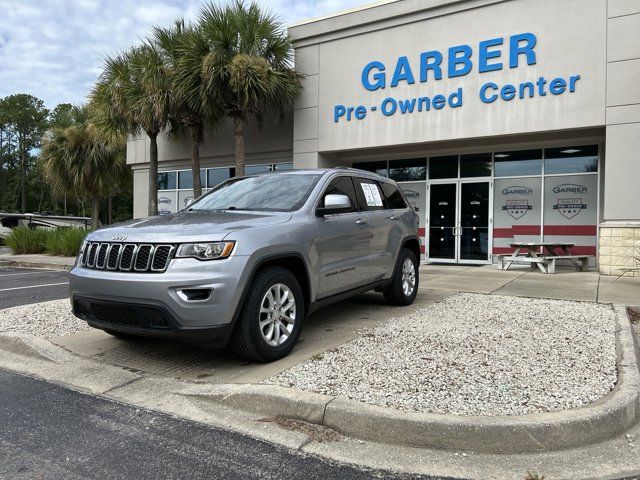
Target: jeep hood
188	226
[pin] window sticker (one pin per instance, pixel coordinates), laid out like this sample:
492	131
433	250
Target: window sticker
371	194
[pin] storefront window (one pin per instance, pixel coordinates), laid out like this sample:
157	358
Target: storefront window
283	166
475	165
185	179
518	163
408	170
376	167
166	181
218	175
250	169
443	167
571	159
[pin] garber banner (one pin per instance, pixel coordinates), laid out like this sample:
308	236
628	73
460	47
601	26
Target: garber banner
430	66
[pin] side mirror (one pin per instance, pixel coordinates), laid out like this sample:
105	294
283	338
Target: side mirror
335	203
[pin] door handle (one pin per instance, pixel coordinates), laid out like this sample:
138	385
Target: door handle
392	217
361	221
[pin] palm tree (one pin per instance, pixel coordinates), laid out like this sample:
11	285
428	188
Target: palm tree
133	93
78	161
180	45
245	63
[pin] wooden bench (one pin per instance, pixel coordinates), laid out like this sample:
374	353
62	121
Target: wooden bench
546	264
581	262
520	259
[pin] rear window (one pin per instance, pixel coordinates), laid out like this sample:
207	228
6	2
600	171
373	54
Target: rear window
393	196
370	194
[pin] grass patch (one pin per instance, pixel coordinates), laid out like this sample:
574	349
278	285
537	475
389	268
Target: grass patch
64	241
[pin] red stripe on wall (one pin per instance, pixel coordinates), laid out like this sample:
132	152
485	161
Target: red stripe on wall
502	233
502	250
516	230
423	249
526	229
581	250
421	232
585	230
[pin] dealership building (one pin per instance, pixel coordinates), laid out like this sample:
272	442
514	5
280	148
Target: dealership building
502	120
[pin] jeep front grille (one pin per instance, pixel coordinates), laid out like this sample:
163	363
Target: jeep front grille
127	257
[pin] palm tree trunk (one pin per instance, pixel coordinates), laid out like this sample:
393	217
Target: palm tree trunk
23	179
153	174
238	123
195	160
110	209
95	213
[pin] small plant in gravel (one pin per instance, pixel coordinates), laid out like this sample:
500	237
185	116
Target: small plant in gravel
533	476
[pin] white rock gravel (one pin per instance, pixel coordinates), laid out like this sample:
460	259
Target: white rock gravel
46	319
474	355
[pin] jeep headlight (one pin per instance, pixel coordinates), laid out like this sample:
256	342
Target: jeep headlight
205	251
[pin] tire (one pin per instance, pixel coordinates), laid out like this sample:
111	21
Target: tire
266	344
395	293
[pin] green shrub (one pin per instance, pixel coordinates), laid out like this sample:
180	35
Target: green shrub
23	240
64	241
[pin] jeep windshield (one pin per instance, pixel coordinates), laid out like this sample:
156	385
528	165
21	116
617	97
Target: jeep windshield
279	192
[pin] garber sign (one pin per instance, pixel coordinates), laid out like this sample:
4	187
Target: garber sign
460	60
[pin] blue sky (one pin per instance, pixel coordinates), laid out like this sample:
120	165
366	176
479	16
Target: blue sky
53	49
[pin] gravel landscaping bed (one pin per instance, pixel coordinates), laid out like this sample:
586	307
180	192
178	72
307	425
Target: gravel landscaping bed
46	319
474	355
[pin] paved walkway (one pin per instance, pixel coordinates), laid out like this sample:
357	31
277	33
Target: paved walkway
525	282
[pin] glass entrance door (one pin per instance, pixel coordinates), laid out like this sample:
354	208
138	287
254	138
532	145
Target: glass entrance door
459	221
442	221
473	224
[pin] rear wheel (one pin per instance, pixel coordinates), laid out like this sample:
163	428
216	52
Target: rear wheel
271	317
403	288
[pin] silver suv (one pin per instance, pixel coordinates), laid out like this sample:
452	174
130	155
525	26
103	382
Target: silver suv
249	260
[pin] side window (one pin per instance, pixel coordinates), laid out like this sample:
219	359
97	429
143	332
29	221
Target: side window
393	196
343	186
370	194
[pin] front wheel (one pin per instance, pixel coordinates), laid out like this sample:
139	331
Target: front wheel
403	287
271	317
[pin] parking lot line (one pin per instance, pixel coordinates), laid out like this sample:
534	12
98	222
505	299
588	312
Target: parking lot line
34	286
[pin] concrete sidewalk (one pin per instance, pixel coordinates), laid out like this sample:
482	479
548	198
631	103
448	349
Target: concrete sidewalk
565	284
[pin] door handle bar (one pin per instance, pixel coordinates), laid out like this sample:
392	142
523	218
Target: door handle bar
361	221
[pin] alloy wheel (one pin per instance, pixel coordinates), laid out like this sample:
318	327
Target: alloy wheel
277	314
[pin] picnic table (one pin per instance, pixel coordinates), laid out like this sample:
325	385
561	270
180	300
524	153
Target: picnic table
545	260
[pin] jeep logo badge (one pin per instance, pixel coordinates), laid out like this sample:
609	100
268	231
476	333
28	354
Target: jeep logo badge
120	237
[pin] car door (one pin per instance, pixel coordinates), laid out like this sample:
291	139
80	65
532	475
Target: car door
343	245
385	233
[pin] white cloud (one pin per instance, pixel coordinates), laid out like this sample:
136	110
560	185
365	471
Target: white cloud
54	49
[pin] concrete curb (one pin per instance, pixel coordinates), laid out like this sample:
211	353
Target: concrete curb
610	416
46	266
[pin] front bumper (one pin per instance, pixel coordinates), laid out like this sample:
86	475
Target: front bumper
151	304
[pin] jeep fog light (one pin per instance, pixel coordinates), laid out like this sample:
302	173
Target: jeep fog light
205	251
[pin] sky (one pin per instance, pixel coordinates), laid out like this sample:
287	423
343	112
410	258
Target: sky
53	49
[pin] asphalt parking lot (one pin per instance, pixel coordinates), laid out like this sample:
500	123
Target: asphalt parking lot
22	286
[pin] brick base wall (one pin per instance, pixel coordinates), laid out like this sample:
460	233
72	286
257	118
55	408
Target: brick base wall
619	250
